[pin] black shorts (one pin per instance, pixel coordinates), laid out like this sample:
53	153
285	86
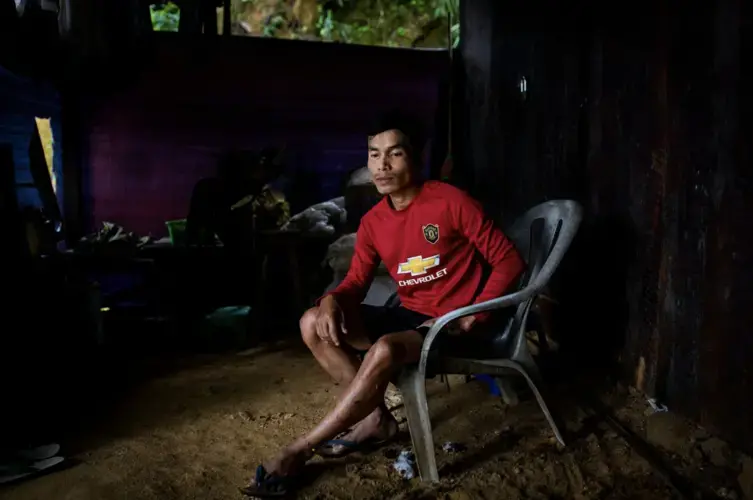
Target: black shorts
379	321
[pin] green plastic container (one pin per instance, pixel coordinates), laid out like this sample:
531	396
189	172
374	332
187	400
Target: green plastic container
177	231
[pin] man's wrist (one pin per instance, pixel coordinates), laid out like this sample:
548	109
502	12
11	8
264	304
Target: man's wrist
328	300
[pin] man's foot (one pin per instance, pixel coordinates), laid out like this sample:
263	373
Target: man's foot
375	430
278	476
288	462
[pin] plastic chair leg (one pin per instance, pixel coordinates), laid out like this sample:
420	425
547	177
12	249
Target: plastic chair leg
413	388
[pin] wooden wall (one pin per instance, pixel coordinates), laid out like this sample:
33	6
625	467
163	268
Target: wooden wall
640	112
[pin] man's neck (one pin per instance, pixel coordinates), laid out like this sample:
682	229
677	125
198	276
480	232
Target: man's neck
401	199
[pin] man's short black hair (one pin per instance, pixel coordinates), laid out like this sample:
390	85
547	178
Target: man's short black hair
408	125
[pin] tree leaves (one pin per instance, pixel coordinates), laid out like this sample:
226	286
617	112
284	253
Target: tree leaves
392	23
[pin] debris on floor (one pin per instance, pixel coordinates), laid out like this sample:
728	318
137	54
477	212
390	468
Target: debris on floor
451	447
656	407
405	464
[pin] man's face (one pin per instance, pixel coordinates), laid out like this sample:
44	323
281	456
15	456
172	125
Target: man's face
389	163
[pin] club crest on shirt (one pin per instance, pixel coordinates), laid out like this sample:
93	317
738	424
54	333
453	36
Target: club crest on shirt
431	233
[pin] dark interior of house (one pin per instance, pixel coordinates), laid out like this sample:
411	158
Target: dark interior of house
190	189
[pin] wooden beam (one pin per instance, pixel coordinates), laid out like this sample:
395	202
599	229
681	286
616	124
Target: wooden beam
226	21
208	13
472	159
190	17
73	146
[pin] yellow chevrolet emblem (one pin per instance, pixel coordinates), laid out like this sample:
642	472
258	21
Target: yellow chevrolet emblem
417	266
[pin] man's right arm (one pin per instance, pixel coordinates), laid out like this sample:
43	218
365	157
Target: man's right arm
363	265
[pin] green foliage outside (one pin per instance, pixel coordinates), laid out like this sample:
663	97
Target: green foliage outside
392	23
388	23
165	17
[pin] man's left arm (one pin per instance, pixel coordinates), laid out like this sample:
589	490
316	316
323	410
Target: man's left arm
498	251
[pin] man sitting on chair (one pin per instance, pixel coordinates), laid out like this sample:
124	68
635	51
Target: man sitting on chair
442	251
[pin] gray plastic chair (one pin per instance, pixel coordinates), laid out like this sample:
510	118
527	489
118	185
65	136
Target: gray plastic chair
542	236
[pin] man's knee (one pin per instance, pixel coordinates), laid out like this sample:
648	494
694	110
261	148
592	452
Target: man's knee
384	354
308	326
395	350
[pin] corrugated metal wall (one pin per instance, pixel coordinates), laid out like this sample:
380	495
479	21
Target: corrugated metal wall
643	113
153	138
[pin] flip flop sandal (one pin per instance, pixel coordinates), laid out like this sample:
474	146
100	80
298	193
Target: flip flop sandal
40	452
266	485
347	446
325	449
14	472
333	442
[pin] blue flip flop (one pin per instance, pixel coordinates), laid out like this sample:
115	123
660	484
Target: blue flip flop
266	485
348	447
325	450
17	471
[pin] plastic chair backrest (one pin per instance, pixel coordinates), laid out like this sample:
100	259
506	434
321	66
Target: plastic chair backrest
542	236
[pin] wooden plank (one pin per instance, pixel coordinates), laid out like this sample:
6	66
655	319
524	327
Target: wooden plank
226	18
74	143
208	13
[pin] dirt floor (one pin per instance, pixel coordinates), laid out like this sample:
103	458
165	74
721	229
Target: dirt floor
199	429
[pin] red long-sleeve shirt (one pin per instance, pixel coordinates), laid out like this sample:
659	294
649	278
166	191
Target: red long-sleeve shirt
435	250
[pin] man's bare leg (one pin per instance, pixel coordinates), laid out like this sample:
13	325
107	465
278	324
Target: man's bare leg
342	365
359	400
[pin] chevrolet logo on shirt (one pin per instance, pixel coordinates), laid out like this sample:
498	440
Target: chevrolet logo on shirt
418	266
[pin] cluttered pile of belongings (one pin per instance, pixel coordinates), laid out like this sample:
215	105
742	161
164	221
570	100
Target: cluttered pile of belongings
338	257
112	237
321	219
340	214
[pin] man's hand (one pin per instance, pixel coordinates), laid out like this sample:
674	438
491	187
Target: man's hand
462	325
465	324
330	322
